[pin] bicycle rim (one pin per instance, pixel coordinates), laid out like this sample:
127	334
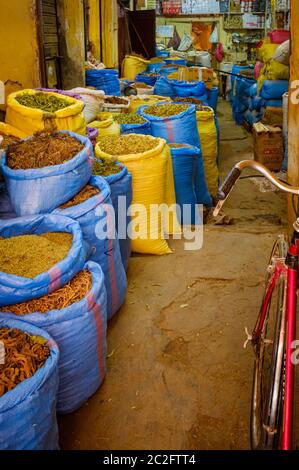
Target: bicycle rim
267	401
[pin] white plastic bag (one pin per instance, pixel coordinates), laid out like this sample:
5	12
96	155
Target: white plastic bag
93	100
214	39
282	54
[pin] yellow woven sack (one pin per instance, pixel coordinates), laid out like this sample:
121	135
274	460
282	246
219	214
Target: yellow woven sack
266	52
209	144
10	130
105	125
132	66
276	71
149	172
137	101
31	120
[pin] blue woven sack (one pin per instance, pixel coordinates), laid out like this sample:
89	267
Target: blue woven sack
80	333
106	80
274	89
178	129
28	412
97	223
144	128
184	165
15	289
143	77
121	186
40	190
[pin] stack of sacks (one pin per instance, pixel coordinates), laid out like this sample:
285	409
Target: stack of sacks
242	98
88	284
272	92
274	68
148	160
178	124
180	88
133	65
106	80
236	70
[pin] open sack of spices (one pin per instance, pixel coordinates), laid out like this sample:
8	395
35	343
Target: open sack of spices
92	209
38	254
176	123
116	104
148	160
33	111
144	100
46	170
28	388
106	125
131	123
75	316
120	182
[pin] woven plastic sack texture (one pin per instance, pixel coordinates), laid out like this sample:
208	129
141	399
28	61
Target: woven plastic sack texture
207	130
184	164
178	129
97	223
106	80
105	125
274	89
132	66
121	186
149	172
28	412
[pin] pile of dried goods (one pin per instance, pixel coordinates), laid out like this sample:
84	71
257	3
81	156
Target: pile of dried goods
86	193
72	292
106	167
7	140
24	355
127	144
188	100
44	149
115	100
166	110
30	255
129	118
43	101
142	85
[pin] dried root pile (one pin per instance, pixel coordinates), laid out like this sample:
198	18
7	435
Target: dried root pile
86	193
24	355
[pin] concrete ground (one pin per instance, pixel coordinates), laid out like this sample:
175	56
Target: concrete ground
178	376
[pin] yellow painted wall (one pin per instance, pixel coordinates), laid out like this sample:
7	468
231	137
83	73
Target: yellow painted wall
19	54
109	24
94	28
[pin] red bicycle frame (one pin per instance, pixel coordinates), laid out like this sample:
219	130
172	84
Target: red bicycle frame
290	268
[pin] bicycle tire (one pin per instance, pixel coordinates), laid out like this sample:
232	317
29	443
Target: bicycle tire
267	389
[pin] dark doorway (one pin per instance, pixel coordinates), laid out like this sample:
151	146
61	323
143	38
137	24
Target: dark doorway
49	44
142	32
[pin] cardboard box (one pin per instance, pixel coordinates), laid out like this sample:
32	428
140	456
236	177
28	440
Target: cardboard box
273	117
268	146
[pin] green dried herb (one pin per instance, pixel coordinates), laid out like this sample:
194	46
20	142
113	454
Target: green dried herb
105	167
127	144
43	101
129	118
166	110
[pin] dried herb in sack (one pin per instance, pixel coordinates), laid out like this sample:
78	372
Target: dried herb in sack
7	140
129	118
127	144
30	255
24	355
166	110
106	167
44	149
74	291
43	101
86	193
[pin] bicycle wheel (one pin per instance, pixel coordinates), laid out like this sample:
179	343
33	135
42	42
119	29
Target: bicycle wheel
267	400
